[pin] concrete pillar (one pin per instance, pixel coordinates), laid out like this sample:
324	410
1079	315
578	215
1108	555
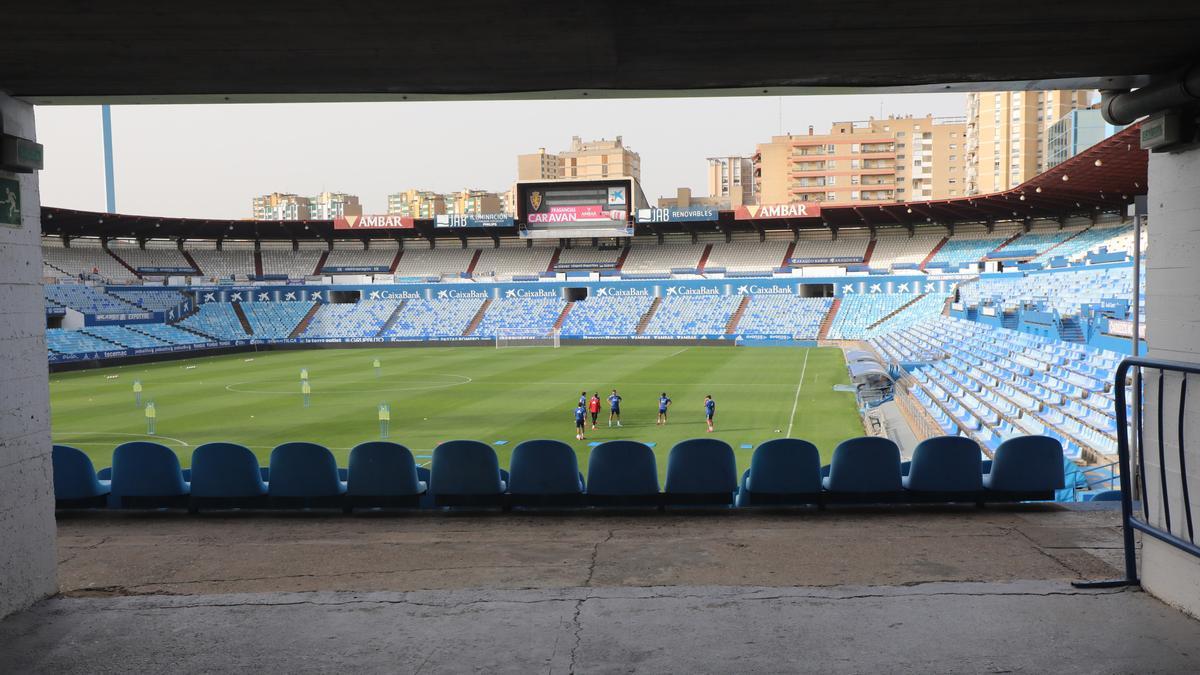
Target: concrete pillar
1173	332
28	556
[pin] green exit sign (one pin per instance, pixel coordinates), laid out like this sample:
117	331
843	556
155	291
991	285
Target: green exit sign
20	155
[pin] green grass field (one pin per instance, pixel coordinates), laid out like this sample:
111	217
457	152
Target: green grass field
445	393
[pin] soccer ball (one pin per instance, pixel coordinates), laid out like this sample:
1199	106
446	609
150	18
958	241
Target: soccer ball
579	437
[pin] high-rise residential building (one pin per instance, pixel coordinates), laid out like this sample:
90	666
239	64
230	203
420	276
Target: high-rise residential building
894	159
1075	132
330	205
731	179
281	206
1008	132
416	203
474	203
585	159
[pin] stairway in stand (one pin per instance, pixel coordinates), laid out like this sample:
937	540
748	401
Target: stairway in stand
827	322
732	324
299	329
645	320
478	315
241	315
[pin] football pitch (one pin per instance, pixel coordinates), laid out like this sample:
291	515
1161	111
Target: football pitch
500	397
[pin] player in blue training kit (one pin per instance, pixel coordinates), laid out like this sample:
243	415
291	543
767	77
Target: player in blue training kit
580	412
663	404
710	407
614	408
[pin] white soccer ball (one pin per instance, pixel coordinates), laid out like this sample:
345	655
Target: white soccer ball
776	431
578	437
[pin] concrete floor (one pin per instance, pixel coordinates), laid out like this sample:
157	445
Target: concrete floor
900	590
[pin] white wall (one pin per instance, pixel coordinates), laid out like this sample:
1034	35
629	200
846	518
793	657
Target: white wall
1173	332
27	545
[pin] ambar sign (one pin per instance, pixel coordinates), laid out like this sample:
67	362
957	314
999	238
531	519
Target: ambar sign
793	210
372	223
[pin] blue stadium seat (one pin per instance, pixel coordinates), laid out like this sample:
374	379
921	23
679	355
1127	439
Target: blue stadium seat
226	475
701	471
75	481
864	470
147	475
545	473
305	475
467	473
1026	468
783	471
622	473
945	468
383	474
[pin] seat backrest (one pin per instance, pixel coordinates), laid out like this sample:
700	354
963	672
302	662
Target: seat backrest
1028	464
303	470
865	464
946	464
382	469
226	470
145	469
785	466
544	467
74	474
622	468
701	466
465	468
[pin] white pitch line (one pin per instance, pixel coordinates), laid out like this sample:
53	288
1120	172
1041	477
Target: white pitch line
796	400
678	352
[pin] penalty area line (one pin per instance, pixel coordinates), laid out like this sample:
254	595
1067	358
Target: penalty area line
796	400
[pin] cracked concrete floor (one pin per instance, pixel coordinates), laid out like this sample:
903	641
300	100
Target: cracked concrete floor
896	590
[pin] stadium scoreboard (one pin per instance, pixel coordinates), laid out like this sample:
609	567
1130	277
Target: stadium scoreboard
575	208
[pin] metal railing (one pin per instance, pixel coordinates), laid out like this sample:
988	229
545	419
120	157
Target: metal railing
1131	521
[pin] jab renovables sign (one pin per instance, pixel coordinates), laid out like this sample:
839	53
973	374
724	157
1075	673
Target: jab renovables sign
763	211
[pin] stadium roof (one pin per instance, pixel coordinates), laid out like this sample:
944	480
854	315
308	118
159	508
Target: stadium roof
1103	178
63	51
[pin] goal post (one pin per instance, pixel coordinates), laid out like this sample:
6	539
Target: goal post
527	337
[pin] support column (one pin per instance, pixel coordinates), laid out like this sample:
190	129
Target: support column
28	555
1173	332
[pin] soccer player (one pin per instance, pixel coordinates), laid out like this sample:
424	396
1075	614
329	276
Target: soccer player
710	406
594	408
614	408
583	400
580	413
663	403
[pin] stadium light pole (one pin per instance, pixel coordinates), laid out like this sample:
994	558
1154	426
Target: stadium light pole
110	192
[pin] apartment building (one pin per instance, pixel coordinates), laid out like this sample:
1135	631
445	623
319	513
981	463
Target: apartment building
474	203
1008	134
1075	132
281	206
330	205
894	159
585	159
416	203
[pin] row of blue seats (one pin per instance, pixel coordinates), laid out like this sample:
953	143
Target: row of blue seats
700	471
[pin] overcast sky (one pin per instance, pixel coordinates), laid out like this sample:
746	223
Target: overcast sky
210	160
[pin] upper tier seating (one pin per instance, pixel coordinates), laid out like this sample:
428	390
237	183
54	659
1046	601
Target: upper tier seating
747	255
1088	240
602	258
292	264
147	260
693	315
609	315
226	263
364	318
272	320
533	314
85	258
506	261
1041	241
1064	290
434	318
791	314
825	248
968	247
432	262
664	258
900	249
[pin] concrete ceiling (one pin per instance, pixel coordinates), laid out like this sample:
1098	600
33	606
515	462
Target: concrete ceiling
54	51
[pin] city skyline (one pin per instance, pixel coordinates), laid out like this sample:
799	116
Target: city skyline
236	152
